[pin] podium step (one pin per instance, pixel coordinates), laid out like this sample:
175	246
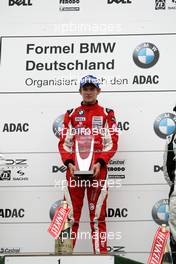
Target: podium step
93	259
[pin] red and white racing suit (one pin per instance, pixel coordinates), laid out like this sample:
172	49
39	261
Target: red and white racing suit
91	117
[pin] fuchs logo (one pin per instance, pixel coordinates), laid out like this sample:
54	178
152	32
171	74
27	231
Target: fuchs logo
5	175
160	212
165	125
20	2
120	1
160	4
146	55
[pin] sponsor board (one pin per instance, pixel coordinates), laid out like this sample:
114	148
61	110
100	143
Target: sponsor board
122	201
57	69
134	125
119	235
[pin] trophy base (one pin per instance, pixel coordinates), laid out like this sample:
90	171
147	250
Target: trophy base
64	244
63	247
83	174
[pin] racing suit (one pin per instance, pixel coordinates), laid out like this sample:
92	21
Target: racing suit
90	116
169	168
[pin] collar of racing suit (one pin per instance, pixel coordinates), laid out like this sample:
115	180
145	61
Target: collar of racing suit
89	106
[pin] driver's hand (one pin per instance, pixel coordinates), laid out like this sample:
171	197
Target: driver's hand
96	169
72	169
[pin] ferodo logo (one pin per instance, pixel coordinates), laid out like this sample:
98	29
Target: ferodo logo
69	1
116	168
12	127
120	1
117	212
20	2
12	213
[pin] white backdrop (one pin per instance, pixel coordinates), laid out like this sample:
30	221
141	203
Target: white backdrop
31	100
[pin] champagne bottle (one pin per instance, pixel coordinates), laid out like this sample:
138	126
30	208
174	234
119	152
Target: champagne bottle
63	245
167	258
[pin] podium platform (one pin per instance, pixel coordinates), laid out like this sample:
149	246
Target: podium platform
78	259
65	259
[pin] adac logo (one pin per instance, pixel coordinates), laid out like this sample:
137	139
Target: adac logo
58	125
12	213
160	212
165	125
117	212
146	55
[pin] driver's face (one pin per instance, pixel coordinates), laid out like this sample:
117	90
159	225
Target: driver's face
89	93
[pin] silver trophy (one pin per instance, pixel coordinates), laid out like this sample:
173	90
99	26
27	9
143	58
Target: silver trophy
84	156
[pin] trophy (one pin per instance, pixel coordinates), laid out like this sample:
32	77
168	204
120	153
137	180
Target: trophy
84	148
63	245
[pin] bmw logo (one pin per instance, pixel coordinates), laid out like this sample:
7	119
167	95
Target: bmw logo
160	212
57	125
81	112
165	125
146	55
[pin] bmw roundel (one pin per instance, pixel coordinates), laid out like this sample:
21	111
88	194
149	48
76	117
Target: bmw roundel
160	212
165	125
81	112
54	207
58	125
146	55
